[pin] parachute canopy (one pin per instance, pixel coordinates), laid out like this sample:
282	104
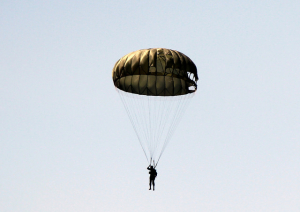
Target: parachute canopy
156	72
155	86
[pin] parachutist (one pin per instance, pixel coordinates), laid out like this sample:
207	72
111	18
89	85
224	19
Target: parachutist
153	175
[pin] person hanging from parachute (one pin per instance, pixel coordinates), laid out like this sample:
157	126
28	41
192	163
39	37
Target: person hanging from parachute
155	86
153	175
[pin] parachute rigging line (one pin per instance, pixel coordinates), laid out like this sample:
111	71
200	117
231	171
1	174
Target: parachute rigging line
154	119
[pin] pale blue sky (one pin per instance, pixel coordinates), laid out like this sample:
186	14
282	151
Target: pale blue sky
66	143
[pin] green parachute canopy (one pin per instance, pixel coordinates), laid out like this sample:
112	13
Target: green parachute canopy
156	72
155	86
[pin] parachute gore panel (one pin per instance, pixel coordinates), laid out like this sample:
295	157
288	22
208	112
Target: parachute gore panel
156	72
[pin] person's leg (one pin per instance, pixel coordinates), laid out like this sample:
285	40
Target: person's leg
153	182
150	183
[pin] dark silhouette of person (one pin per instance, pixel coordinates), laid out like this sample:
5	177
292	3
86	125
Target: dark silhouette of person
153	175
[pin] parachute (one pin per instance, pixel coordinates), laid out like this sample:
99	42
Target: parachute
155	86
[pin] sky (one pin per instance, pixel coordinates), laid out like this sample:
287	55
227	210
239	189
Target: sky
67	145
